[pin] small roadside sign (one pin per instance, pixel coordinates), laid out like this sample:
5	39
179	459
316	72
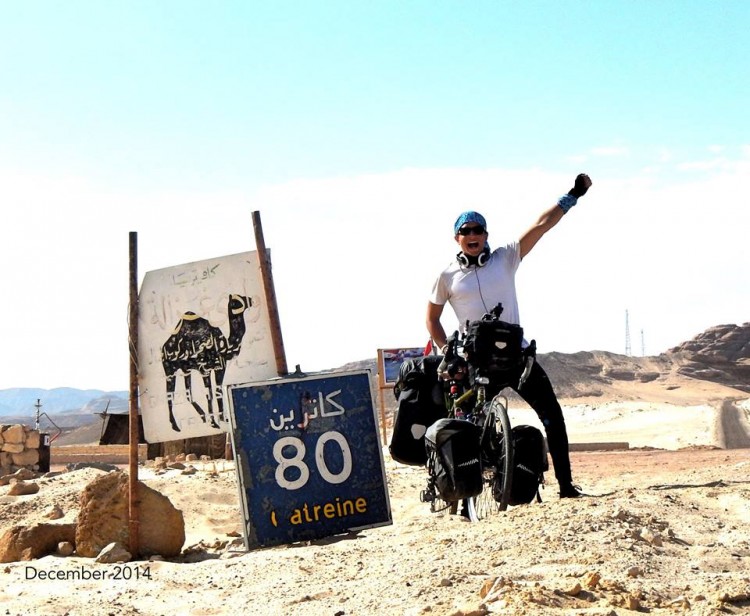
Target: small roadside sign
308	457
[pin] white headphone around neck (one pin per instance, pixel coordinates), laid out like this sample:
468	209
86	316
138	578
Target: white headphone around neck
479	261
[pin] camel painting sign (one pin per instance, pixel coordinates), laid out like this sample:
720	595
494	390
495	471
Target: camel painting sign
309	459
202	326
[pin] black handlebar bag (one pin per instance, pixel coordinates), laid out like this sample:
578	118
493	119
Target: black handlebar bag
494	349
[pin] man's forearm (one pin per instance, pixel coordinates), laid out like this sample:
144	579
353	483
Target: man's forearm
434	326
437	333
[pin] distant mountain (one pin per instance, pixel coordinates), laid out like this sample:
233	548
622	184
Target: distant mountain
720	355
20	402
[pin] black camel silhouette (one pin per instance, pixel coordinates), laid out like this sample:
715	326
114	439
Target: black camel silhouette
196	345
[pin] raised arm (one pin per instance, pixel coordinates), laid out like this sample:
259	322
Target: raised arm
554	214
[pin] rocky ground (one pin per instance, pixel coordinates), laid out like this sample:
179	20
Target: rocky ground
665	528
663	532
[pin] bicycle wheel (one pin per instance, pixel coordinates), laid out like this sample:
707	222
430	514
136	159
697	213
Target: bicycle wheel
503	453
497	461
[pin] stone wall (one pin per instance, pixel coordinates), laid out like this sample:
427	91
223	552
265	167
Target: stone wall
19	448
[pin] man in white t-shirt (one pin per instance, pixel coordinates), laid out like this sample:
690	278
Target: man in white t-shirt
477	280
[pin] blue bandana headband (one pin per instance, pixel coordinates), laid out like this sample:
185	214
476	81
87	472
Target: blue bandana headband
468	217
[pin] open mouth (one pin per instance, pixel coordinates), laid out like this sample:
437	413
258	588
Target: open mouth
473	245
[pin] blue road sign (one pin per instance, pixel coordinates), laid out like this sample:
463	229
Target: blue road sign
308	457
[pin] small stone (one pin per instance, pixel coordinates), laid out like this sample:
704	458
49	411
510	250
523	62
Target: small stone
65	548
487	587
651	537
114	553
591	579
25	473
635	572
21	488
54	513
574	590
633	603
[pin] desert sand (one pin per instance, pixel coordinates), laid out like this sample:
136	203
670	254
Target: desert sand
665	529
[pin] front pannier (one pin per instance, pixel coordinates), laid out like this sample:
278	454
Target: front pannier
420	403
529	464
452	447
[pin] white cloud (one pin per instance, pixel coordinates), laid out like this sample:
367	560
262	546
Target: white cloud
664	155
611	151
355	257
577	159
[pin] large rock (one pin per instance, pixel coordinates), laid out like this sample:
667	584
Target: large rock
29	542
27	457
13	447
14	434
33	439
725	343
103	518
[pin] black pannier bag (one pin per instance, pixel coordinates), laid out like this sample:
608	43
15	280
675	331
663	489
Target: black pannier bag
420	404
529	464
494	348
452	447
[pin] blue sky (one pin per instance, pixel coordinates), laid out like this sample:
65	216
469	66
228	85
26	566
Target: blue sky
360	131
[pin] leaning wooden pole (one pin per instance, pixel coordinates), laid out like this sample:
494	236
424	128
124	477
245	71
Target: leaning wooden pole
273	310
133	513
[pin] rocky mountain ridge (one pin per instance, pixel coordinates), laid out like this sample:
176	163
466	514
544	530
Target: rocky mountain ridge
720	356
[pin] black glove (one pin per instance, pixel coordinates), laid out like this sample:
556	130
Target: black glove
581	185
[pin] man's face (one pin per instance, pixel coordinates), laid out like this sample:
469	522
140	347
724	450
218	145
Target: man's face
472	237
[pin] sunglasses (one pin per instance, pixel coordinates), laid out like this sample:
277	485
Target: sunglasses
471	230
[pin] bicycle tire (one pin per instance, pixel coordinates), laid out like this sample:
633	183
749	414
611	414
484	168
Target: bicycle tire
497	461
503	479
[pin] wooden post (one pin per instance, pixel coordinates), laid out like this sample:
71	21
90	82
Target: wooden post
273	310
133	512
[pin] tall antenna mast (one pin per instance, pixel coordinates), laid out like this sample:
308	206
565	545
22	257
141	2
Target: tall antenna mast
643	345
627	334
